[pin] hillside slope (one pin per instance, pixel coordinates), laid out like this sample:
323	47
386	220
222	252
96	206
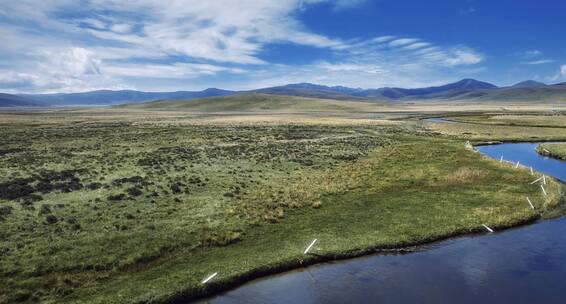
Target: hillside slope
255	103
108	97
9	100
549	93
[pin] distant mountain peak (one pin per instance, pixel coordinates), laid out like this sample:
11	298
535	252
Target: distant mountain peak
469	83
529	84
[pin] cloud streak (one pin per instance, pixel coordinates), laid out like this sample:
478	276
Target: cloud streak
111	43
541	61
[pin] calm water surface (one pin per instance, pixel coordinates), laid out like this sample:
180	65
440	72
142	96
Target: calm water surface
521	265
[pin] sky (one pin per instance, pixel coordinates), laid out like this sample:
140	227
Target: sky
65	46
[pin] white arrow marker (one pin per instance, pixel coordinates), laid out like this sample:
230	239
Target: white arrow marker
543	191
531	204
536	180
543	179
488	229
517	165
310	246
532	173
209	278
501	159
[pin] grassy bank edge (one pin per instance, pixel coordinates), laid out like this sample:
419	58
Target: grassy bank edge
313	259
546	150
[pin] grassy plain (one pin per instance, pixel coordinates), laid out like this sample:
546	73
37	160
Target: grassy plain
548	119
134	205
504	127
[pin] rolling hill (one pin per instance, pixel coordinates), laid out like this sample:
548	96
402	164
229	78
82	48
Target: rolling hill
255	102
529	84
108	97
314	91
546	93
9	100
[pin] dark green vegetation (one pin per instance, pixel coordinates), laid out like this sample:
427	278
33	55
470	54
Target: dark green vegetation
129	207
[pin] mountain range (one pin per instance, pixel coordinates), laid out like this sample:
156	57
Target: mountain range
466	89
9	100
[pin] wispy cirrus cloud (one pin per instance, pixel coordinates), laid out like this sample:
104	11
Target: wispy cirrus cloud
541	61
75	46
535	57
376	62
530	54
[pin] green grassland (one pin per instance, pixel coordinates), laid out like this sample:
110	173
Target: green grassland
130	206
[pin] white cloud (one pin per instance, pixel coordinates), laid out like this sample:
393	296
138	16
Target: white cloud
402	42
144	39
200	29
12	82
382	39
532	54
462	56
177	70
533	57
559	75
207	30
94	23
60	70
338	4
417	45
121	28
541	61
72	62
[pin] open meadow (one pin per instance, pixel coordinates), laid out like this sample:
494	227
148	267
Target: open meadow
139	205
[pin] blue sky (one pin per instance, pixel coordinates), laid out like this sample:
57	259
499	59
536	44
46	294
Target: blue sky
80	45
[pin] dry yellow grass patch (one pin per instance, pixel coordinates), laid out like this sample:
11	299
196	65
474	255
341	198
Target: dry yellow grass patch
464	175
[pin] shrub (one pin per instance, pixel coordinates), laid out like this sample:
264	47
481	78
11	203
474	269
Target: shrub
51	219
45	209
175	188
134	191
5	210
117	197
